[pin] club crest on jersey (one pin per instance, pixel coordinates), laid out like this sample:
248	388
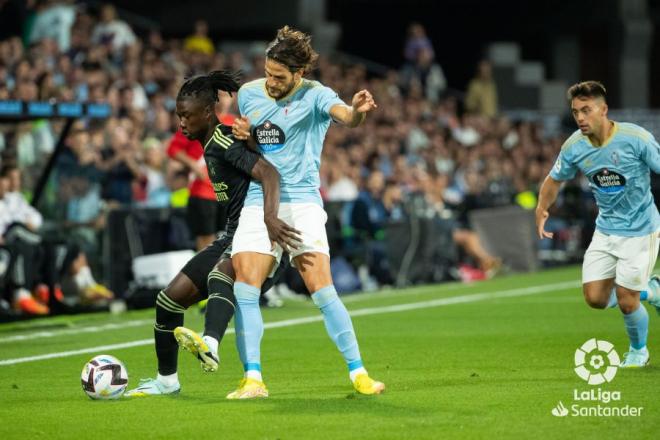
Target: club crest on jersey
615	158
608	181
270	137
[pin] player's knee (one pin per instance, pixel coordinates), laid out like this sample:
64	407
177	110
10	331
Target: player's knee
628	301
248	271
174	298
594	299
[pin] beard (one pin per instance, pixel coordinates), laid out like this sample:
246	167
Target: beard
280	93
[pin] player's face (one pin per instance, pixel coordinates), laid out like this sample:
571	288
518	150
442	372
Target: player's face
193	118
589	114
279	80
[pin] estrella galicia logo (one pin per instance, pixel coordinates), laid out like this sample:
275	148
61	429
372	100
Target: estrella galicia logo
608	181
270	137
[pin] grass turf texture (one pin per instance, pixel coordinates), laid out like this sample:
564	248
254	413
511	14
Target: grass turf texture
492	368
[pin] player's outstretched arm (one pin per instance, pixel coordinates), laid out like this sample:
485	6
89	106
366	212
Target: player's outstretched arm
547	196
352	116
278	231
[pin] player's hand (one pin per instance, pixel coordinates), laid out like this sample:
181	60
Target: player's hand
363	102
283	234
541	217
241	128
200	172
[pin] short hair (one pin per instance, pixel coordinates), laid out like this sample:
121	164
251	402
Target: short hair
293	49
206	87
587	89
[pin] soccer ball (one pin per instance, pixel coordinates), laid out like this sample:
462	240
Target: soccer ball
104	377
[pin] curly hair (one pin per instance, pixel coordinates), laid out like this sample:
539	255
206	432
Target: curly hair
293	49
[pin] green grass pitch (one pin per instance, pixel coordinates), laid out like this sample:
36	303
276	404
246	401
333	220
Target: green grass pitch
487	360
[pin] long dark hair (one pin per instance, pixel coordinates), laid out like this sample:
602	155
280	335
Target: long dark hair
206	87
293	49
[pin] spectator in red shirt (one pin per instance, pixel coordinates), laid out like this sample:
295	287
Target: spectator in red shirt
204	215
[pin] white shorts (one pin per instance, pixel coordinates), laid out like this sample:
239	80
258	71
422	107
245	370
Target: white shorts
308	218
629	260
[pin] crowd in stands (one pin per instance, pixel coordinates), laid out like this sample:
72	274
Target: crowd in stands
457	153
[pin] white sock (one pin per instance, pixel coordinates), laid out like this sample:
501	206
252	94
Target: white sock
21	293
87	273
82	278
353	373
212	343
170	380
254	374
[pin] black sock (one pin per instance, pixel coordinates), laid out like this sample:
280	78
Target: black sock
169	315
220	306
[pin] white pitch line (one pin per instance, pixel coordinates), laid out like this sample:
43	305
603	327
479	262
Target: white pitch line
76	330
462	299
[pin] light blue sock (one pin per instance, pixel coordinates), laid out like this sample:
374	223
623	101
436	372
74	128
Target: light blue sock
339	326
637	326
249	326
613	302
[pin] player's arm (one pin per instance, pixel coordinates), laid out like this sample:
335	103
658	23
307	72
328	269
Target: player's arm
547	196
260	169
176	150
278	231
651	154
564	169
353	115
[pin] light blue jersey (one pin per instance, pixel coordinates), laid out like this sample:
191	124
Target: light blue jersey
290	134
619	177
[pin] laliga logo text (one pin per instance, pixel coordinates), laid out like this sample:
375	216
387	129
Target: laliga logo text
596	362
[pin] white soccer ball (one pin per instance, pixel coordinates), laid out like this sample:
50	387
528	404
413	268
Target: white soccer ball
104	377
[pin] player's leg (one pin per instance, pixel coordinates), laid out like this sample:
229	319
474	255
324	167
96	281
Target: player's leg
198	270
171	304
253	259
219	311
598	272
313	263
252	269
637	259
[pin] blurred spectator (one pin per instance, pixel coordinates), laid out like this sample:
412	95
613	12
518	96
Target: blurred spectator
425	74
368	219
199	41
205	216
79	190
156	192
416	42
53	21
111	32
119	162
481	96
462	235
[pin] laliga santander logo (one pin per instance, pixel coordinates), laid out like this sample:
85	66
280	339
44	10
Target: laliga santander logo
596	362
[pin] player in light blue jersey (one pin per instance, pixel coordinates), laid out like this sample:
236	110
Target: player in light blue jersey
288	116
616	158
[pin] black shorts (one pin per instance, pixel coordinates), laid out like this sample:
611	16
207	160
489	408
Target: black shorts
199	266
205	217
